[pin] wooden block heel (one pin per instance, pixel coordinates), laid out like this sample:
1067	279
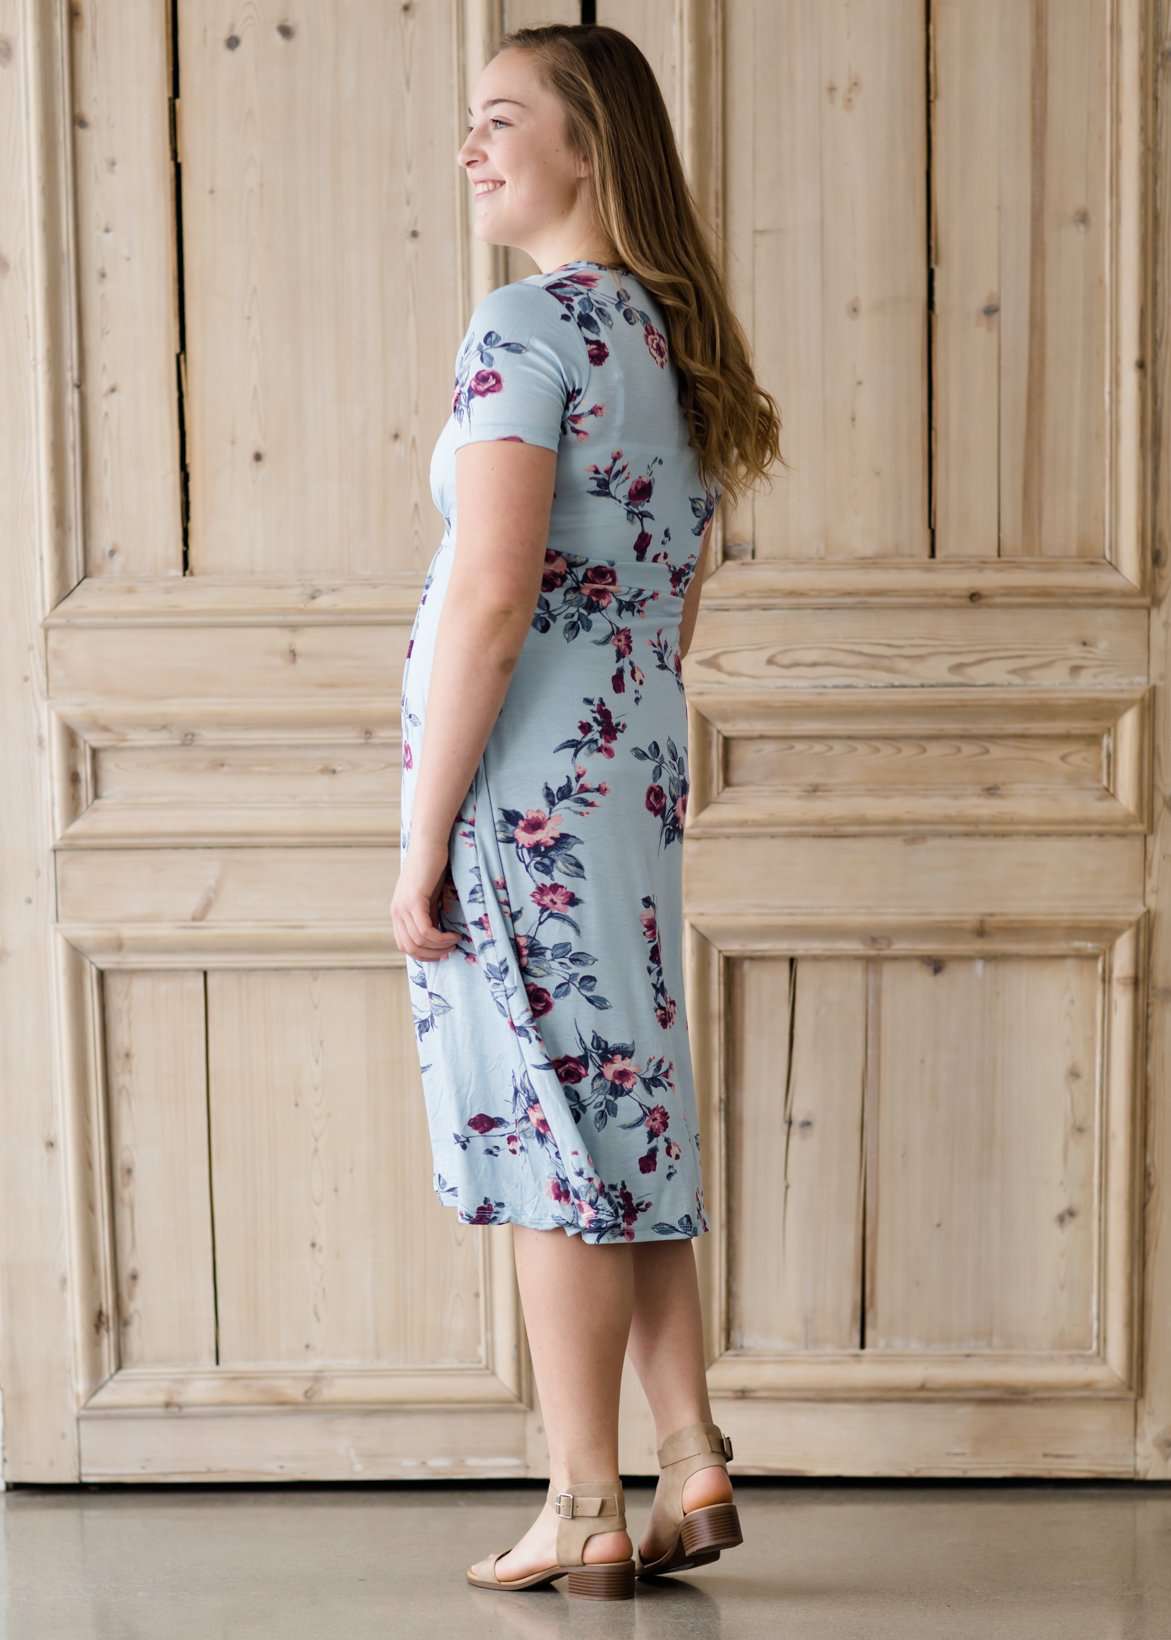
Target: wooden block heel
699	1535
603	1580
715	1527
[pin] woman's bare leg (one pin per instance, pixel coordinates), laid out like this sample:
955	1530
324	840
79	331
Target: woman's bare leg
577	1301
666	1351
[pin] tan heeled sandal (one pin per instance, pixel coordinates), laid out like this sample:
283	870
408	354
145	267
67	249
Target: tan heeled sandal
583	1511
695	1536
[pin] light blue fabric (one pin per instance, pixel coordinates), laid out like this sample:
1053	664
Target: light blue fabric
553	1042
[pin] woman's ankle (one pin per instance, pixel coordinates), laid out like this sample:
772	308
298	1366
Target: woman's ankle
560	1481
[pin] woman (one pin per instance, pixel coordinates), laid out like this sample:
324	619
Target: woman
599	406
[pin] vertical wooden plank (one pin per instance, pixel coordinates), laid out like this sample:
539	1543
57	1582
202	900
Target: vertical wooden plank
826	208
970	82
794	1109
1153	1425
38	1295
873	177
157	1093
1024	275
127	286
1052	416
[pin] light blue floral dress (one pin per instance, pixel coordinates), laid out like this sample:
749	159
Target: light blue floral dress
553	1042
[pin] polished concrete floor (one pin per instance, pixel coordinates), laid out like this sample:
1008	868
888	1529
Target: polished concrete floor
820	1561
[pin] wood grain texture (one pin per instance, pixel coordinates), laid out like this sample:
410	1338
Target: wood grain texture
825	198
321	289
128	286
156	1092
330	1248
1030	266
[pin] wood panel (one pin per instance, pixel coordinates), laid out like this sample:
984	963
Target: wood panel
983	1131
332	1247
825	200
1021	109
320	214
985	1148
1017	271
946	1140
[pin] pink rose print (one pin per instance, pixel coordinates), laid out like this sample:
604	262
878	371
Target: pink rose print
554	897
483	383
656	344
597	583
669	806
538	829
621	1070
657	1120
539	1000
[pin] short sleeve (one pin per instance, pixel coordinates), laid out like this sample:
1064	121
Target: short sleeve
519	370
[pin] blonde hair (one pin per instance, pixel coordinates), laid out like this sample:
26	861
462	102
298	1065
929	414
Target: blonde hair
616	118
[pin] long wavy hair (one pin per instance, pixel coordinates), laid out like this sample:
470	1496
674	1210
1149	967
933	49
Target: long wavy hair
616	119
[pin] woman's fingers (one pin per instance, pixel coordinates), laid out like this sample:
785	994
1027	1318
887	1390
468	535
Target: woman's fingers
414	947
427	931
423	939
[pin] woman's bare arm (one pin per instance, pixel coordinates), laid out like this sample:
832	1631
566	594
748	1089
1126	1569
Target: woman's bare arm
504	498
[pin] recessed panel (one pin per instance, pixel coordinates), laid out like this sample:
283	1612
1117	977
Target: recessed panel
331	1243
912	1151
982	1209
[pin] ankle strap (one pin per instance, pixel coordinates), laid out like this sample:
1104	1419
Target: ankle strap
587	1498
593	1499
692	1440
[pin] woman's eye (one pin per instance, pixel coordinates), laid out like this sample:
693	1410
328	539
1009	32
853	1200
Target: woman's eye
495	120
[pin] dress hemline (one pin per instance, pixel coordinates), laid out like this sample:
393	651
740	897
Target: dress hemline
587	1236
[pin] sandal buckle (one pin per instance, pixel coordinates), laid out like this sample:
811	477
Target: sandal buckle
566	1514
727	1445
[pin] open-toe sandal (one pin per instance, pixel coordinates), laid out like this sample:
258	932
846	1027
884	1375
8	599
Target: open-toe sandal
693	1536
583	1511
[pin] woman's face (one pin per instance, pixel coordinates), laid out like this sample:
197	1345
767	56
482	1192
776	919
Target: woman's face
541	201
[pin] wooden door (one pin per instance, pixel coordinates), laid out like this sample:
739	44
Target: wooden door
927	955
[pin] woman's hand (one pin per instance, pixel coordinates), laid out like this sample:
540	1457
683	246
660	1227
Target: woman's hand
415	902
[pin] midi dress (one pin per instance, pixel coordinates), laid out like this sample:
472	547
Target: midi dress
553	1043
